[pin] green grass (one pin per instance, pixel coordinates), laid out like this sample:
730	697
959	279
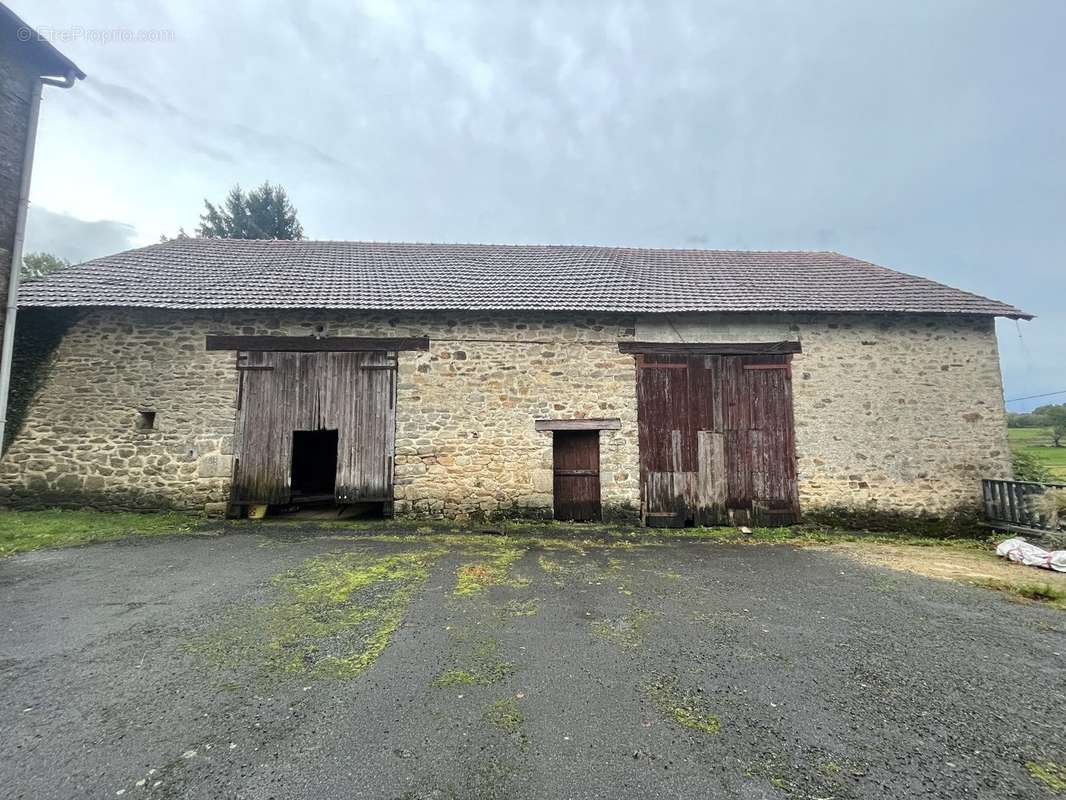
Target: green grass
801	535
1037	442
493	555
33	530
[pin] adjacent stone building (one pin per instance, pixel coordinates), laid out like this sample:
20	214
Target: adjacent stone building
681	387
26	63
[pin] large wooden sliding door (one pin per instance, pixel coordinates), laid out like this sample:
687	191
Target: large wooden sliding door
716	439
351	396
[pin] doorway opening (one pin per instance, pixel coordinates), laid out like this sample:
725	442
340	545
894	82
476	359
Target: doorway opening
314	465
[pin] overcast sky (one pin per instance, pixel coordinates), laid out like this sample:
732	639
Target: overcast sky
925	136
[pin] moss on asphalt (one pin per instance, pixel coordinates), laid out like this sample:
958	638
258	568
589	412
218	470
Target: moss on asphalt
482	666
696	720
21	531
495	570
826	777
505	715
687	708
335	615
1050	774
627	631
522	608
550	565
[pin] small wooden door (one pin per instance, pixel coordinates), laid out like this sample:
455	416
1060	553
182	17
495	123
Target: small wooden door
576	457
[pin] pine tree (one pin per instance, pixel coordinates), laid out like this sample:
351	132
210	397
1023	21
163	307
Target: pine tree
263	213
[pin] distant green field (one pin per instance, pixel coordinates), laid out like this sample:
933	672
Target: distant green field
1038	442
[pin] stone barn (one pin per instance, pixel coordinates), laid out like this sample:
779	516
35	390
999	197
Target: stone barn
675	386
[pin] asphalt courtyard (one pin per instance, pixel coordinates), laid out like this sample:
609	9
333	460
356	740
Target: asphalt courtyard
302	664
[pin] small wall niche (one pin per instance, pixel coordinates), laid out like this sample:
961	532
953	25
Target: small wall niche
145	420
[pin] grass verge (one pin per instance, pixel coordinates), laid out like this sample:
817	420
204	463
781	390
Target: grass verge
491	544
974	565
21	531
1038	592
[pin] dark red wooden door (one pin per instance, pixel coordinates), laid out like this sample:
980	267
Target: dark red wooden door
716	440
576	457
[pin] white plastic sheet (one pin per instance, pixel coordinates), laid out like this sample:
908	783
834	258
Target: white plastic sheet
1029	554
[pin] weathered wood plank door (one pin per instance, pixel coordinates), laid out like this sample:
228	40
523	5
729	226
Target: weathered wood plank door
353	393
716	438
576	462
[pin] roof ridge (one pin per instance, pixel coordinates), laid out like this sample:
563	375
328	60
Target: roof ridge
516	245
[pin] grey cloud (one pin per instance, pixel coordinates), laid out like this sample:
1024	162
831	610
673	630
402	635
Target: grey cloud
281	143
212	152
233	133
75	239
129	98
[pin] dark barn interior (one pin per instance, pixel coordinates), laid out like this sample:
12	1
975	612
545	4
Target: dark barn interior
314	465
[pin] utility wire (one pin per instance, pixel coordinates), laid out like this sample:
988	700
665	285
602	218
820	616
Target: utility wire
1035	396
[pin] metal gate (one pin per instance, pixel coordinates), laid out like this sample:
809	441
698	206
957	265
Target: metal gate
717	445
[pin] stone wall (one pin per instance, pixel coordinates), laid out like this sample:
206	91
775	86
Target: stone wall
892	413
465	409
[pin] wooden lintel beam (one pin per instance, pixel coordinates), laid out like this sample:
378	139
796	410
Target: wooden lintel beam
612	424
710	348
313	344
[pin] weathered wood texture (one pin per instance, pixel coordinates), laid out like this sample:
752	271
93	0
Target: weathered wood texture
717	445
710	348
314	344
576	461
577	424
315	391
1008	504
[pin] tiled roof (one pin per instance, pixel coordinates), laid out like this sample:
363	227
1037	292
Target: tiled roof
235	273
